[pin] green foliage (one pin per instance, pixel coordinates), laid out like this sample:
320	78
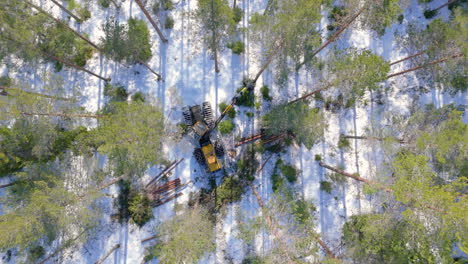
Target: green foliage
237	14
247	99
64	44
246	166
33	141
383	239
307	125
343	143
289	172
5	81
447	143
229	191
303	211
167	5
370	189
138	97
237	47
39	208
129	43
231	113
104	3
226	127
359	71
326	186
265	93
317	157
428	14
35	253
84	13
249	114
140	209
131	134
277	182
253	260
217	23
381	14
115	92
185	238
400	18
169	23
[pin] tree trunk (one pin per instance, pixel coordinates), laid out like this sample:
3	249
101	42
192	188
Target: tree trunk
374	138
216	60
65	25
85	38
149	238
337	34
79	20
425	65
61	115
353	176
151	70
148	16
72	65
407	58
234	4
264	67
444	5
164	172
311	93
33	93
114	181
8	184
108	254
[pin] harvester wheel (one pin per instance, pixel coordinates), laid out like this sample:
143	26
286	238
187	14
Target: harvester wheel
198	154
207	114
219	149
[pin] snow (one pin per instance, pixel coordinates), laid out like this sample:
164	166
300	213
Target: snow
189	79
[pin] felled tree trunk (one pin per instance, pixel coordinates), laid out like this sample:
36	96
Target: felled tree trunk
374	138
148	16
108	254
425	65
79	20
6	89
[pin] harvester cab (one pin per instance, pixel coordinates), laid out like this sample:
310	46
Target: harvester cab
199	119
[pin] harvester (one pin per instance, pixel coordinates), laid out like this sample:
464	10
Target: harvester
200	120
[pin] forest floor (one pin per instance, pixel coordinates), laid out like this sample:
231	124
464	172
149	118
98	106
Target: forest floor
189	79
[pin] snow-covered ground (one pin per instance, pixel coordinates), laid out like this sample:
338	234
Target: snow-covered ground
190	79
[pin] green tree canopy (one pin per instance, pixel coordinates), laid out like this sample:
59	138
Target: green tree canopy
131	134
306	124
186	237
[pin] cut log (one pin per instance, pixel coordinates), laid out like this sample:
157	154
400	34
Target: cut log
161	202
249	139
165	171
108	254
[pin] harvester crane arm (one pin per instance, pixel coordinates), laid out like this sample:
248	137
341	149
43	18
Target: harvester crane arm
248	88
